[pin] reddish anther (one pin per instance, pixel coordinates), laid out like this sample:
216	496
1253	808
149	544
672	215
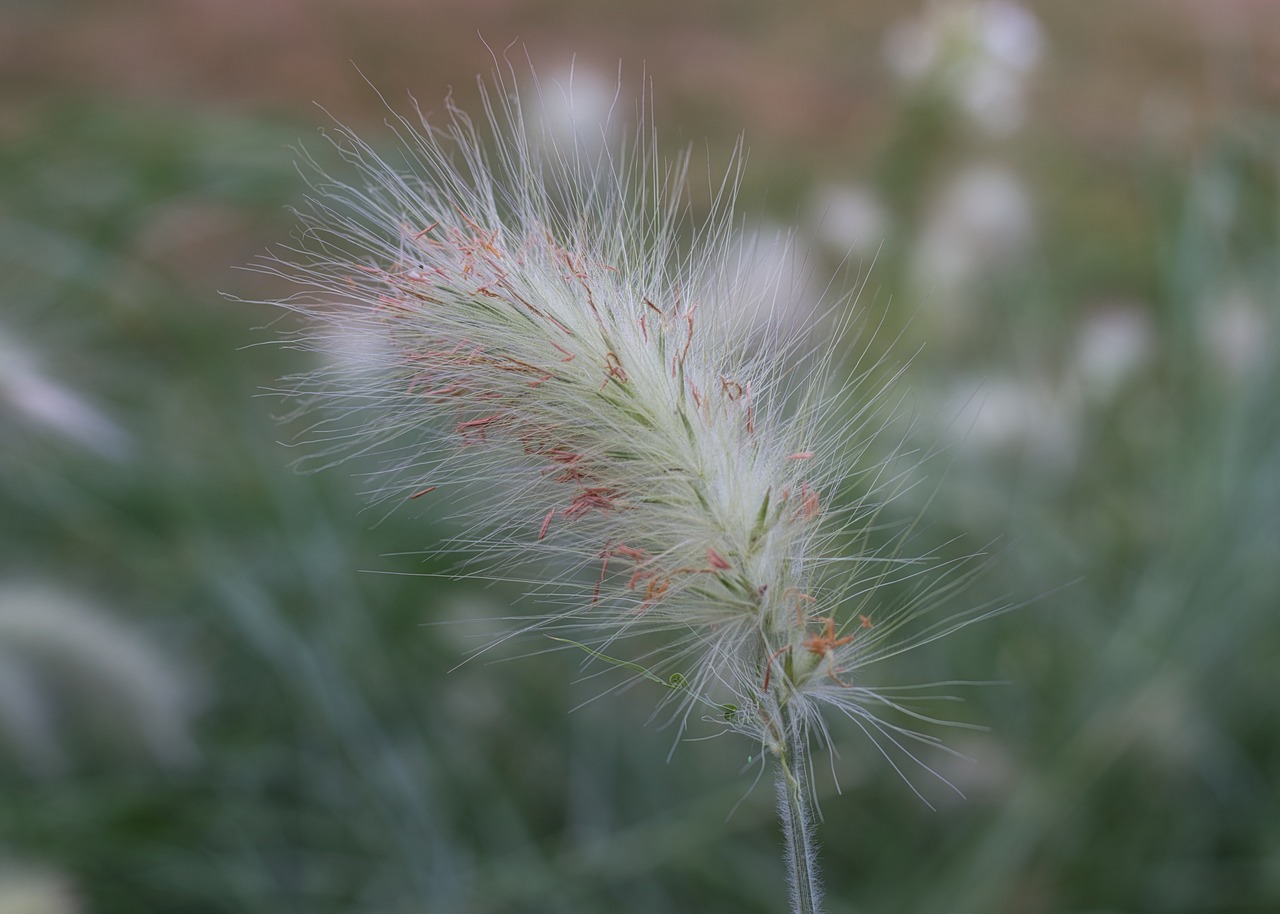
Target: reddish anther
597	498
576	270
569	461
613	367
810	505
628	552
562	455
768	667
478	427
696	394
718	562
801	599
678	361
802	455
604	570
658	585
655	581
823	644
511	363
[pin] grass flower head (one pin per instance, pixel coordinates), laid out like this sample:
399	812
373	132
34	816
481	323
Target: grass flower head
534	329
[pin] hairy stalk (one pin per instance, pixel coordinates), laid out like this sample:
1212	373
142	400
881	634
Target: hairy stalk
794	787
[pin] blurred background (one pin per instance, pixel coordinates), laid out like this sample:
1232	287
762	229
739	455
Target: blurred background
220	690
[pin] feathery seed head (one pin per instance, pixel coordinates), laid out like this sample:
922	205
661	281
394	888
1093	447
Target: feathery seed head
531	327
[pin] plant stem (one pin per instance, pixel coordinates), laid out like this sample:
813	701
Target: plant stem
795	813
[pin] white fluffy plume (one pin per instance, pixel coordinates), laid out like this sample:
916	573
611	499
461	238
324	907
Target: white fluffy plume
541	328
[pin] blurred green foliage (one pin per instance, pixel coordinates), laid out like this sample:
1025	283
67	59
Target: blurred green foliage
345	764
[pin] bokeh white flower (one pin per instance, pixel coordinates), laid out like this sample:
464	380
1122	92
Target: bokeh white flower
980	224
1002	416
27	392
66	659
980	55
848	219
576	106
776	266
30	889
1113	345
1236	333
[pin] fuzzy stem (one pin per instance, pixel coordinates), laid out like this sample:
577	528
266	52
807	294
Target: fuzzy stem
795	812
